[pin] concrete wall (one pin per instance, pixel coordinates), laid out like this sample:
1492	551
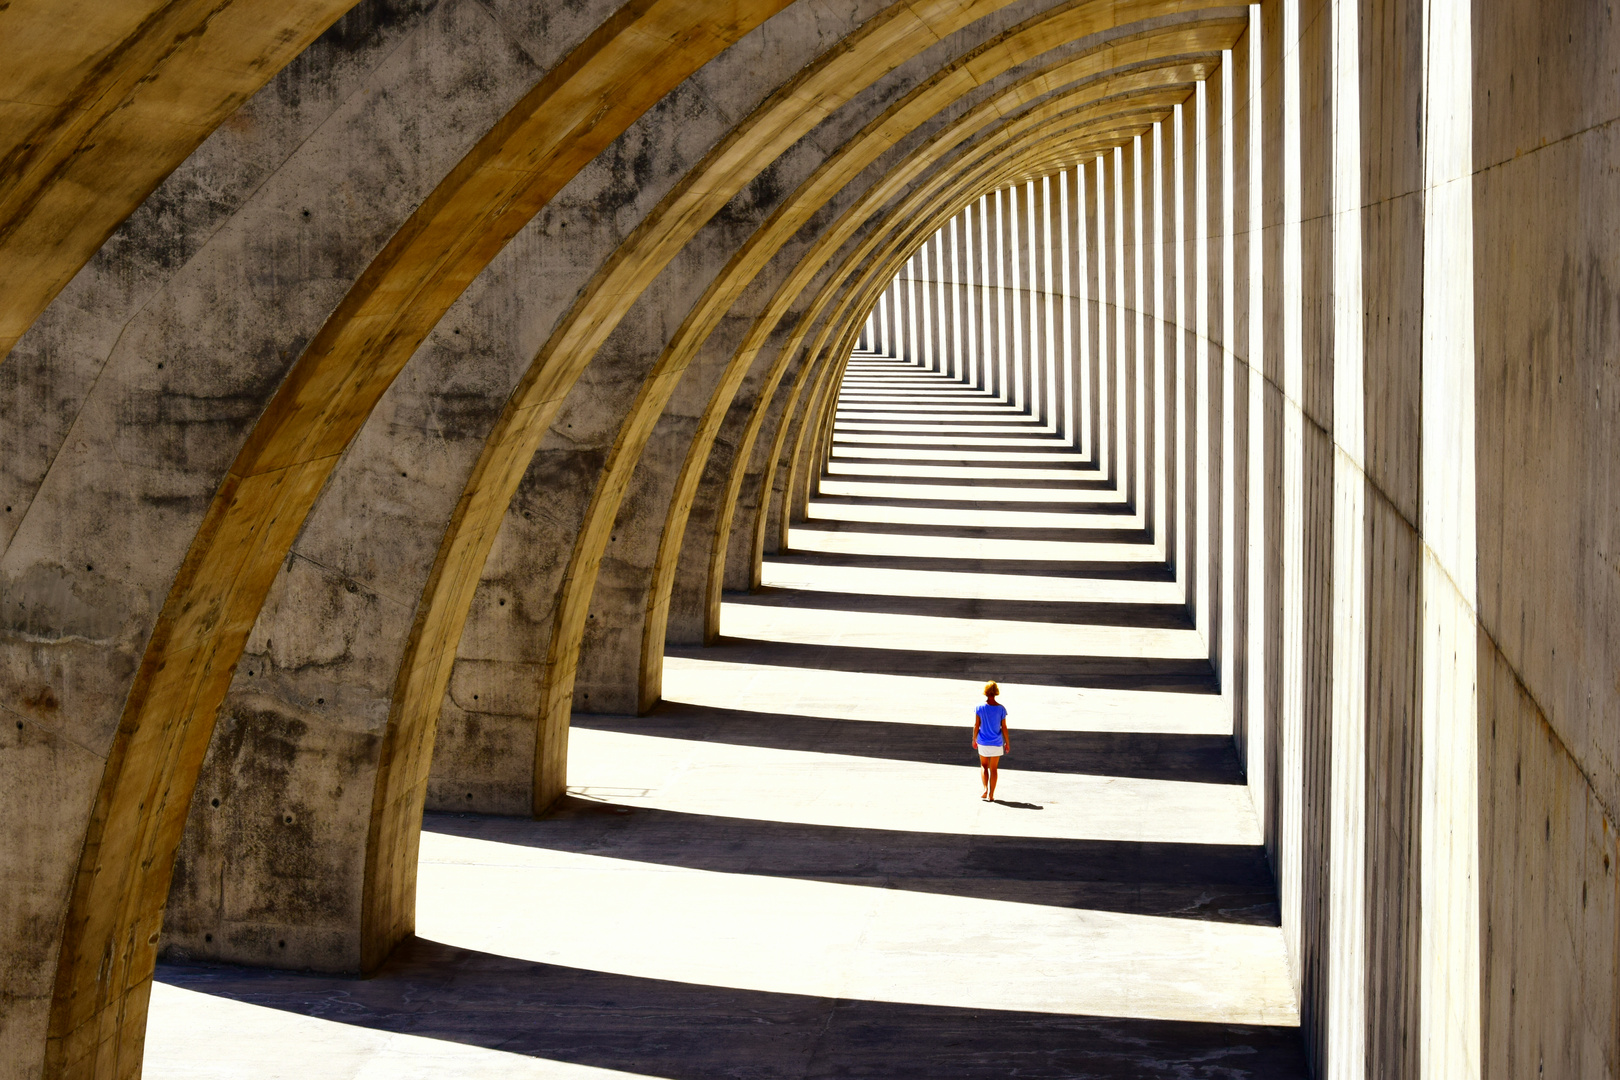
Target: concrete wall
284	556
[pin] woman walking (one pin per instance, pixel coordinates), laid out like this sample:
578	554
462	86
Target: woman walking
990	738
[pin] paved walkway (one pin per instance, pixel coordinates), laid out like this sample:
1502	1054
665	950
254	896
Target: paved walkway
786	870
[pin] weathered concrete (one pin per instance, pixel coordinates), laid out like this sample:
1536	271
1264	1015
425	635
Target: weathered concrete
373	183
772	804
1335	330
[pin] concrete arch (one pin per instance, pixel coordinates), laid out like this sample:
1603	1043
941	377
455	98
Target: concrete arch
117	899
366	551
102	103
1348	326
882	266
1141	78
812	429
683	346
596	313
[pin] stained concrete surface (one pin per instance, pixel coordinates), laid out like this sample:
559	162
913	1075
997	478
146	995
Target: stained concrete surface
785	870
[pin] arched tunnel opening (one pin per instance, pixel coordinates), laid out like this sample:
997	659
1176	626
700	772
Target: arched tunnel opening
511	508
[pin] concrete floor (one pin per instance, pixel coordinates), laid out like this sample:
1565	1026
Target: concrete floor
786	870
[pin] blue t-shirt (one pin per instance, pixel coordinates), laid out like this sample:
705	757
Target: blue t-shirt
990	717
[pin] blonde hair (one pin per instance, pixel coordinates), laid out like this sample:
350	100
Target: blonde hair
991	689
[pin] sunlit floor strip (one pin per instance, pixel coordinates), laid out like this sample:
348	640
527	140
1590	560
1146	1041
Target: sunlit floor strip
939	634
946	453
967	585
197	1036
821	939
793	840
966	517
976	426
942	471
715	683
950	547
1009	442
880	489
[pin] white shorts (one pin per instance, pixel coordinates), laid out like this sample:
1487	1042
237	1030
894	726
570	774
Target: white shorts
990	751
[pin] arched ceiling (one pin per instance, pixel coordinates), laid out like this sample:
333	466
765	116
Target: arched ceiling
906	115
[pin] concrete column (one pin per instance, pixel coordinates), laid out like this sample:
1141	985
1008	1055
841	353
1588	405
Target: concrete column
1155	155
1168	413
1093	254
1213	367
995	251
939	270
908	314
1043	301
1240	296
1011	300
1108	319
933	339
973	217
1029	314
1265	445
965	290
1046	302
1060	227
1189	287
1316	508
1128	338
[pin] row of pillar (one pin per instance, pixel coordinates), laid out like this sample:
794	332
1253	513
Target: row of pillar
1258	317
990	300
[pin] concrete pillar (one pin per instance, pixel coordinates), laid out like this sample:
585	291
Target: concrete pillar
1213	367
1107	315
1266	444
1153	382
1061	222
1189	287
1241	295
1010	281
1167	414
1094	204
1129	359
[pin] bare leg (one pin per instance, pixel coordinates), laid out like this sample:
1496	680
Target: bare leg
995	771
984	777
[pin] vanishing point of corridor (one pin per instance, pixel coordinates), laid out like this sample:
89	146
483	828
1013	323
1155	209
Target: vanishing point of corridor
786	870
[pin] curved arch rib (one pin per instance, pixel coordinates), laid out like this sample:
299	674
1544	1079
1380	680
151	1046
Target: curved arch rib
116	907
988	61
104	102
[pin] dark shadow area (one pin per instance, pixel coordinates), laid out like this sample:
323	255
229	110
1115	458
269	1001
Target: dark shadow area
1048	442
1055	612
1073	483
1112	570
684	1031
1018	805
842	454
1009	421
1096	509
1096	672
1197	759
986	532
1210	882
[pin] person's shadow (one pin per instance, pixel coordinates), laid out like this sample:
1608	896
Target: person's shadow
1017	805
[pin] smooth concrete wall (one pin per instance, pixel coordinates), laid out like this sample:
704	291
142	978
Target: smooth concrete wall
1418	360
1545	190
